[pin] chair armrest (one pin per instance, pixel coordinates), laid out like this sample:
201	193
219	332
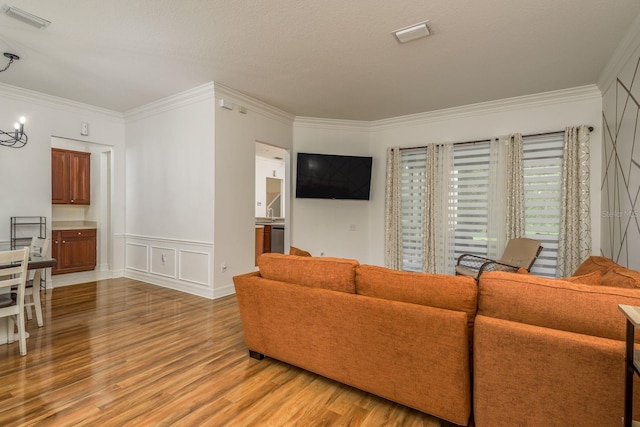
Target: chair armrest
472	261
497	266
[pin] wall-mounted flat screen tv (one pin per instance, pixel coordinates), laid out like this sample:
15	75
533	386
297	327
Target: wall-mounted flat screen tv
329	176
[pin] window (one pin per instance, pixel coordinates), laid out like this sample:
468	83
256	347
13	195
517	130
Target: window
413	164
469	188
542	193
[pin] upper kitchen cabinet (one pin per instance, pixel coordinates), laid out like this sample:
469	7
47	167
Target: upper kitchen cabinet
70	177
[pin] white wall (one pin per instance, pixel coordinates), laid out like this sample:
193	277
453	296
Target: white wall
324	225
26	172
236	135
336	228
621	158
170	191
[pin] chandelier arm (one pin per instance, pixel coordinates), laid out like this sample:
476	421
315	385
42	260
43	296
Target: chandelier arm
8	65
8	139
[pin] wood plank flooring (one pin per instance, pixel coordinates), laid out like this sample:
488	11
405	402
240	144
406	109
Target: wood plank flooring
125	353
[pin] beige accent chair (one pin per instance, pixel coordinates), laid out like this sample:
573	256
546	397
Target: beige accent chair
15	277
520	253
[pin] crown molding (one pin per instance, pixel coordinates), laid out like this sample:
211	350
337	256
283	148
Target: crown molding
333	124
621	55
508	104
253	104
31	96
199	93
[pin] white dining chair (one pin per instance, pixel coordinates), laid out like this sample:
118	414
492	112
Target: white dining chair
15	277
38	247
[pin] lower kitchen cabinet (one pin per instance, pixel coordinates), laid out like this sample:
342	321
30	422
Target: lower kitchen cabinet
74	250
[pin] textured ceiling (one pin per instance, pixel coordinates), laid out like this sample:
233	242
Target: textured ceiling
330	58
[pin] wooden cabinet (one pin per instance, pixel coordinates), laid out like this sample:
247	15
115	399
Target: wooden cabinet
70	177
75	250
259	242
266	247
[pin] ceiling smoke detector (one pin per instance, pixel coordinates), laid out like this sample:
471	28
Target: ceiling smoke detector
413	32
25	17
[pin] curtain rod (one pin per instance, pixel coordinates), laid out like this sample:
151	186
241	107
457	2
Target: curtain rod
488	140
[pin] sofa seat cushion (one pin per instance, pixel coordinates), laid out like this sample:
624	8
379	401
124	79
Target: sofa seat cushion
457	293
556	304
336	274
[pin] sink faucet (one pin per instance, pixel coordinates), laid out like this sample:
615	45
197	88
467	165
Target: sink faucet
270	213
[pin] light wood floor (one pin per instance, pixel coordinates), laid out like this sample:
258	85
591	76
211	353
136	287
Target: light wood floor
122	352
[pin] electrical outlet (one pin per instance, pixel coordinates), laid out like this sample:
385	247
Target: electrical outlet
352	227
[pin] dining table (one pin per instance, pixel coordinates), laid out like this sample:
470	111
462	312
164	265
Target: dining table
35	262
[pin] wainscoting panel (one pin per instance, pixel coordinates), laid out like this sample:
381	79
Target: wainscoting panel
177	264
163	261
137	257
195	267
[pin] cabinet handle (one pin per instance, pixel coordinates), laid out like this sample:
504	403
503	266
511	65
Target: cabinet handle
79	233
64	241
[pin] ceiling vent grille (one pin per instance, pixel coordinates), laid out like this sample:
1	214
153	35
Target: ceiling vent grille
25	17
412	32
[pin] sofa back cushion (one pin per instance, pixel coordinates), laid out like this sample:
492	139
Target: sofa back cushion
457	293
336	274
556	304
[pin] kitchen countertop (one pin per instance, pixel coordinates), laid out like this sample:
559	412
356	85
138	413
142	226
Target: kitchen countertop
73	225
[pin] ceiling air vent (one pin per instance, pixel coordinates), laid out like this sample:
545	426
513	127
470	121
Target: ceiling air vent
412	32
25	17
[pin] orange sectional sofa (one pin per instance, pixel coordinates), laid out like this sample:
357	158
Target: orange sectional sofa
551	352
516	349
401	336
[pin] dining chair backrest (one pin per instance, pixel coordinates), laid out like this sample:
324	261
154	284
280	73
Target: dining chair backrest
15	277
39	246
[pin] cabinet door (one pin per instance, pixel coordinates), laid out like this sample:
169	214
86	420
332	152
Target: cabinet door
55	251
59	176
76	251
80	178
267	239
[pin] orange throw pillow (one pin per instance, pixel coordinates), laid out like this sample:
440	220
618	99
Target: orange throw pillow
298	252
621	278
595	263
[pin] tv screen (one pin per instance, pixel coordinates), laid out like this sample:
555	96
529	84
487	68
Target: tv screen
328	176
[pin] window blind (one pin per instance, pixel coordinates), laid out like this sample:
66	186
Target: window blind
412	185
469	198
542	166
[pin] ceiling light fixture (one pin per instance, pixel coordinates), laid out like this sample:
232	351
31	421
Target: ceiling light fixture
15	139
12	57
25	17
413	32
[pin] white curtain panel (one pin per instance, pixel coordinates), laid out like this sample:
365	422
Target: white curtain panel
506	193
497	209
574	245
431	212
392	216
445	242
515	219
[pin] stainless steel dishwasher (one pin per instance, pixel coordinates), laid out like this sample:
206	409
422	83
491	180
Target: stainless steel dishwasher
277	238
